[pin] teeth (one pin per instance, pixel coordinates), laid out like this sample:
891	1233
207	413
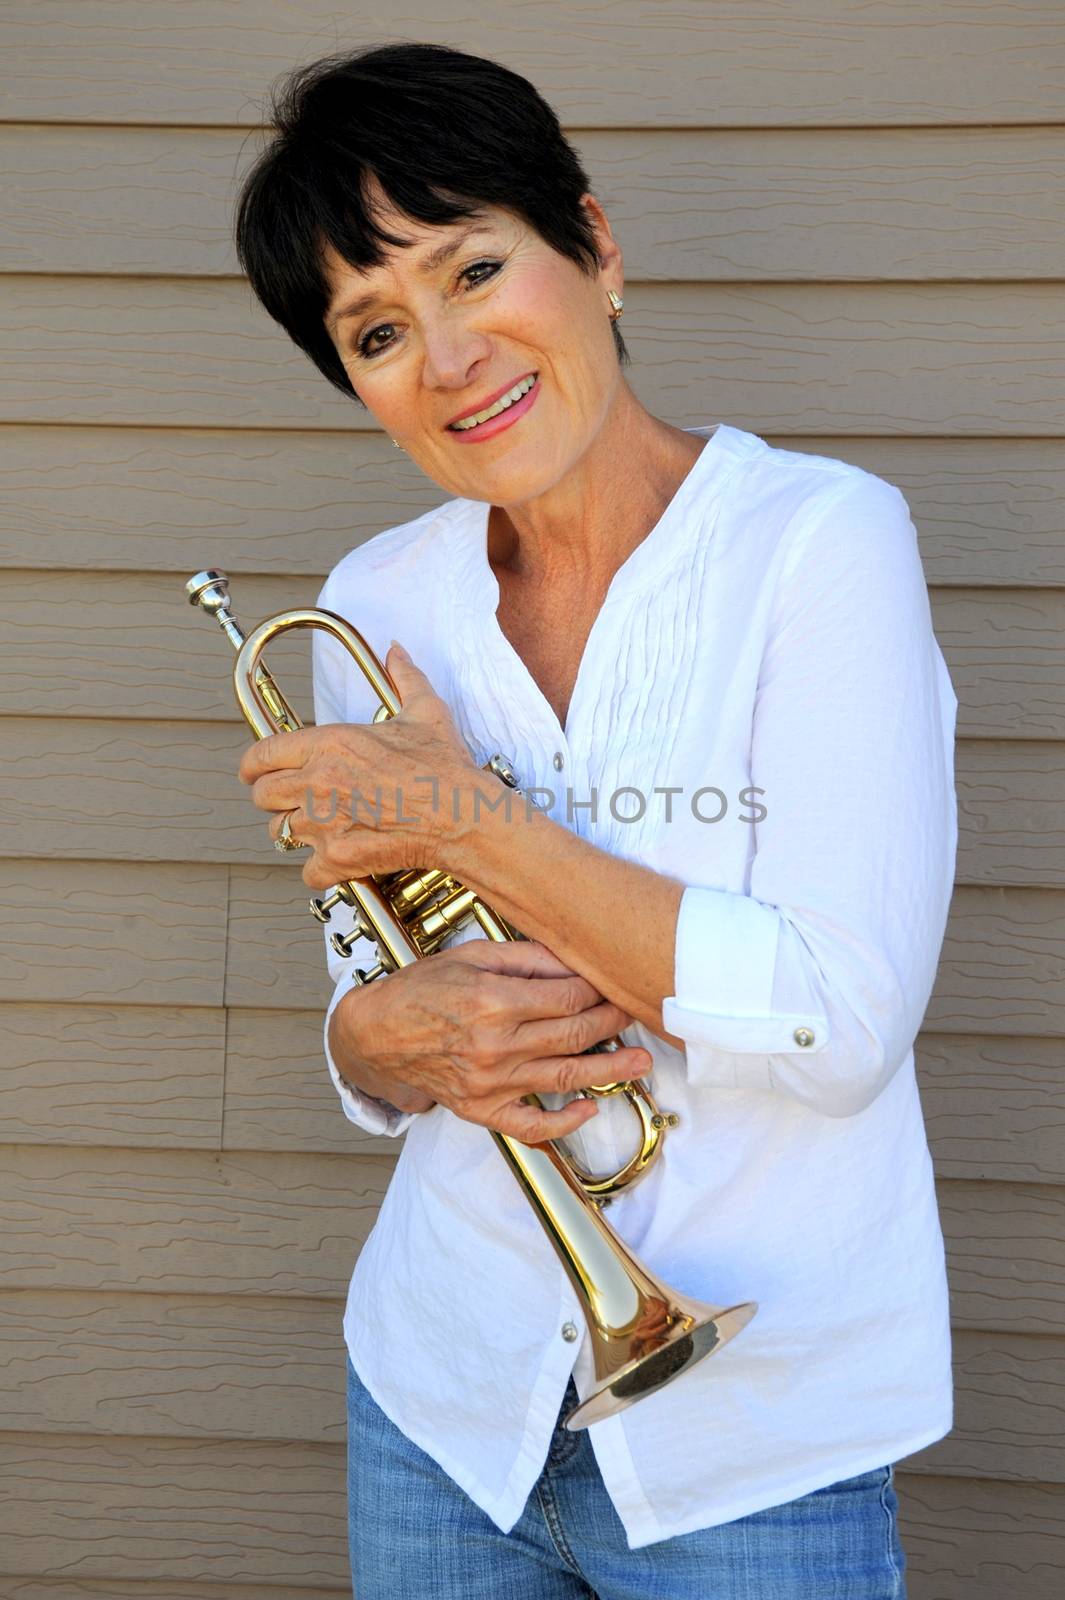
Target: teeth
502	404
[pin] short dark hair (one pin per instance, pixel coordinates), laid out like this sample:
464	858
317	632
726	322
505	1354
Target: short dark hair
444	133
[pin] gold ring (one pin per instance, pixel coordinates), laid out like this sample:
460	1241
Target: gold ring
285	839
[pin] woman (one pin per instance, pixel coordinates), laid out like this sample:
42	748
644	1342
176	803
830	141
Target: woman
714	663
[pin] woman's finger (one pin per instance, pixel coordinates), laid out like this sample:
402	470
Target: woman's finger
565	1032
533	1125
567	1074
517	958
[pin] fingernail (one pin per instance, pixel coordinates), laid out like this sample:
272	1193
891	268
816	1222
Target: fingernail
398	648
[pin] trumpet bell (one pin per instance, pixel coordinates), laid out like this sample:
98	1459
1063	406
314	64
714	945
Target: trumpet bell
643	1333
688	1331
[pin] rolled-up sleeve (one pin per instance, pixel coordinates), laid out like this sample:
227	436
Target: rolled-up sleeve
814	983
331	704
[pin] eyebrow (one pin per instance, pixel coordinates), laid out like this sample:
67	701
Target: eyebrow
430	263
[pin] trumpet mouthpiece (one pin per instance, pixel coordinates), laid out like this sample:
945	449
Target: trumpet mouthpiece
209	589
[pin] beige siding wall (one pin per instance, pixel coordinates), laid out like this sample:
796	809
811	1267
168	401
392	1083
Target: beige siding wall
842	229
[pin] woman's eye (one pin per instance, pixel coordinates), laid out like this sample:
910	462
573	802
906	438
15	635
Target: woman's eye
367	350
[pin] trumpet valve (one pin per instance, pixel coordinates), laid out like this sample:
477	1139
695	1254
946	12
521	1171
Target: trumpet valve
367	975
344	943
322	905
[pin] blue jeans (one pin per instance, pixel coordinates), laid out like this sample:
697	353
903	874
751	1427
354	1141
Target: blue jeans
415	1535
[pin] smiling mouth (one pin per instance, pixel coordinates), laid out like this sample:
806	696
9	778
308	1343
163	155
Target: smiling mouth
504	403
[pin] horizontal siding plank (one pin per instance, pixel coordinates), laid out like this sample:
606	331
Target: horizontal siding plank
278	1092
889	62
119	790
178	501
1000	973
90	1075
93	644
171	1077
1011	805
150	1077
269	964
149	1511
1003	651
185	1221
249	1223
699	205
114	932
973	1539
191	1366
1009	1407
137	1076
994	1107
173	1366
173	501
1005	1247
974	359
273	1515
20	1587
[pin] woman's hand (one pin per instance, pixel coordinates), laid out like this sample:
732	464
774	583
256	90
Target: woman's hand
369	798
476	1027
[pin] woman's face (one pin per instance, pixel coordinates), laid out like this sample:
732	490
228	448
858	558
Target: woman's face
443	340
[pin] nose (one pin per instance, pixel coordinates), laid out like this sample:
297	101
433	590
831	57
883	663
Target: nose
453	351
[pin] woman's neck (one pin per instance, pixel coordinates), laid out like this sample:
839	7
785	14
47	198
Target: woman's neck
589	522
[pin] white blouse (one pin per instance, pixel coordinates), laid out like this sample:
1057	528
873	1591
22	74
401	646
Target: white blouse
766	654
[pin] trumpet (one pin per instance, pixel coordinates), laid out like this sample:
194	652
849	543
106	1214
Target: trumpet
643	1334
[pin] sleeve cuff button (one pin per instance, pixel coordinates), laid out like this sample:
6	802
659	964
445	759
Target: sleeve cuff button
803	1037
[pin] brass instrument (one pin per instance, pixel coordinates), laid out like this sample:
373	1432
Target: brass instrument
643	1333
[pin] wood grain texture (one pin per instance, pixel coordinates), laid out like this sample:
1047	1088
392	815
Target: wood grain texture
186	1221
249	1224
152	1077
993	1107
1011	812
117	932
968	1539
148	1511
58	1588
291	504
122	790
709	205
138	1076
1001	970
189	1366
278	1092
1004	655
1005	1247
1009	1398
152	1512
935	360
888	62
172	1366
108	645
1000	974
171	1077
